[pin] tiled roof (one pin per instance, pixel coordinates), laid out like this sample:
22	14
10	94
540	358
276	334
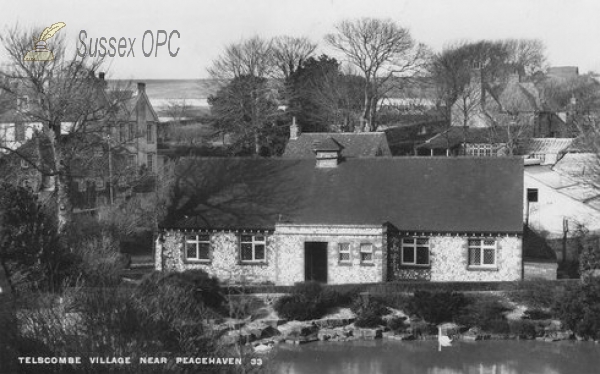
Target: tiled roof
456	135
366	144
517	97
547	145
328	144
412	193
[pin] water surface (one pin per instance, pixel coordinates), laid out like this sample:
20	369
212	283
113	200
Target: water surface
484	357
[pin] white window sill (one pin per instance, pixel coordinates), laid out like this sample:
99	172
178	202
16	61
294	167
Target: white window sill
482	268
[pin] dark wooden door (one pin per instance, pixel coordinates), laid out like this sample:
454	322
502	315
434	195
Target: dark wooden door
315	261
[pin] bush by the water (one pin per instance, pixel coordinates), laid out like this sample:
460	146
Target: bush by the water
525	329
369	311
579	308
437	307
309	300
536	293
486	312
536	314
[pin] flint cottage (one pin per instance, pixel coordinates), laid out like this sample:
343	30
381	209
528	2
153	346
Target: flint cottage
343	220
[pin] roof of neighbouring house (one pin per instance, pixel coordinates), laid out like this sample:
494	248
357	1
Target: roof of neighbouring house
517	96
363	144
547	145
412	193
456	135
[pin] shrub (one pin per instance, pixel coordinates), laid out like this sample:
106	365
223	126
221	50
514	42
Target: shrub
437	307
397	323
535	293
309	300
537	314
486	312
579	308
368	318
370	304
523	329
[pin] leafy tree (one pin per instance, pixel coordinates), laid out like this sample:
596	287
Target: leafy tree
579	308
247	108
322	97
68	102
29	248
380	50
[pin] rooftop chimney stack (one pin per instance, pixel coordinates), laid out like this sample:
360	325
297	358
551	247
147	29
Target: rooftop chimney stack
101	75
141	87
294	130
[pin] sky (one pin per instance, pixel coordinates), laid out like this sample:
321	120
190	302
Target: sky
569	29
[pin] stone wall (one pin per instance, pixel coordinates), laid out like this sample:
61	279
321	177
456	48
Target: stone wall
285	255
540	270
449	261
225	261
291	239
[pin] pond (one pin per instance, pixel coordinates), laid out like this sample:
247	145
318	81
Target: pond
417	357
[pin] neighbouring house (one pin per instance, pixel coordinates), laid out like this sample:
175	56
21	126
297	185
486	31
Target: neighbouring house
353	144
404	139
547	150
486	105
562	203
338	220
120	157
466	141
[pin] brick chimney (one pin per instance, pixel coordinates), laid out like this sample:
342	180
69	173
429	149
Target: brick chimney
141	87
294	130
328	152
101	75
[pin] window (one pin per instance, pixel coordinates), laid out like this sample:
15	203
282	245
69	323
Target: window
344	252
99	183
131	161
150	163
482	252
98	152
19	132
197	247
23	103
253	248
366	253
532	195
480	150
415	251
131	132
122	134
150	133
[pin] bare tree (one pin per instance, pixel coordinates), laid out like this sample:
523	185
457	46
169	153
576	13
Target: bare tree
380	49
252	56
64	98
290	52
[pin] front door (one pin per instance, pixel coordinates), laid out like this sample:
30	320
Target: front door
315	261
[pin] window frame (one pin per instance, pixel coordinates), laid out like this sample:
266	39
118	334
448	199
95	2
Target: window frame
371	252
533	195
150	162
254	243
197	242
150	133
414	246
347	250
482	247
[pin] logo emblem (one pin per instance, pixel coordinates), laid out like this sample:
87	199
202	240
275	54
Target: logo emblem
41	52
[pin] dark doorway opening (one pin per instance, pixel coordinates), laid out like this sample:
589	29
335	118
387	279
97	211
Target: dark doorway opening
315	261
